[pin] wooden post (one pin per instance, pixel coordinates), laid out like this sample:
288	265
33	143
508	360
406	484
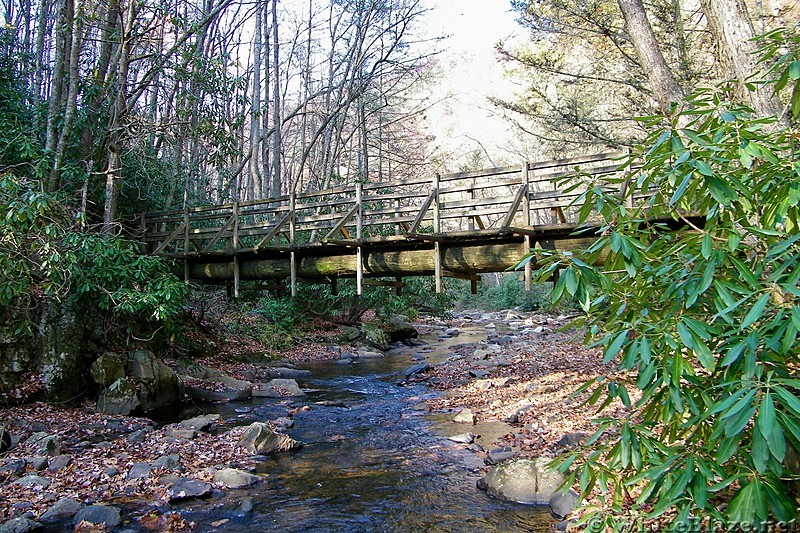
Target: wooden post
186	244
526	220
145	247
185	230
399	288
235	276
359	235
235	238
235	248
473	286
292	243
398	229
437	229
471	219
334	286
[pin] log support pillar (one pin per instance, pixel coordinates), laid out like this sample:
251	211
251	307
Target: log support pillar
292	242
359	236
526	219
437	229
235	276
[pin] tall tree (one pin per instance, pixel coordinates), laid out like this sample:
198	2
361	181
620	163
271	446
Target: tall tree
588	65
662	81
734	34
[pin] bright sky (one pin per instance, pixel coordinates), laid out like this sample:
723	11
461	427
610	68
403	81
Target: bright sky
465	121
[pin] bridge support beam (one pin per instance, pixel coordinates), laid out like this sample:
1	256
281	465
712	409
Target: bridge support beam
457	259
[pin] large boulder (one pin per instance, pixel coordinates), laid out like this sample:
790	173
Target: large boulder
188	489
63	509
279	388
261	439
201	422
44	444
20	524
231	478
350	334
465	416
222	388
416	369
284	372
32	480
121	398
61	355
398	328
375	337
108	368
105	516
197	371
528	481
158	384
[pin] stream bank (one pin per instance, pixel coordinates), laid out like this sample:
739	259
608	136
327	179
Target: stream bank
376	456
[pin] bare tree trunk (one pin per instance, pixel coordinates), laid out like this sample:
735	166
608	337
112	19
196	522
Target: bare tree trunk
306	94
276	104
662	81
265	116
255	113
363	159
733	30
39	53
71	101
680	38
64	20
100	78
116	122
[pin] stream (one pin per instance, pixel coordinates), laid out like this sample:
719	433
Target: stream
375	464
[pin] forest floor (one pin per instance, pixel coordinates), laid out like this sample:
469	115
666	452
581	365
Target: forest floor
535	387
532	390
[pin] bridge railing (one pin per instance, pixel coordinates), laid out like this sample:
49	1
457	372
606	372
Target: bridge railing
506	199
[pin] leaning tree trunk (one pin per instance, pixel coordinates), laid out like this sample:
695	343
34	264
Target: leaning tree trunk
662	81
733	30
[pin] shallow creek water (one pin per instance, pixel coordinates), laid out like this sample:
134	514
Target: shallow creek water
376	465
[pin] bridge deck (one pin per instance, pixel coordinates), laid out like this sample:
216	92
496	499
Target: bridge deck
458	224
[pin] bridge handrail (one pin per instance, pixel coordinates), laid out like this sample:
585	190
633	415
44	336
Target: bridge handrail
496	198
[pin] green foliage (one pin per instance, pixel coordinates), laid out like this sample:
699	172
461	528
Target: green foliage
31	259
110	273
419	296
43	257
780	50
509	293
705	318
19	148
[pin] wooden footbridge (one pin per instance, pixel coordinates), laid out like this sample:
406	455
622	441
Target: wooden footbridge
456	225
